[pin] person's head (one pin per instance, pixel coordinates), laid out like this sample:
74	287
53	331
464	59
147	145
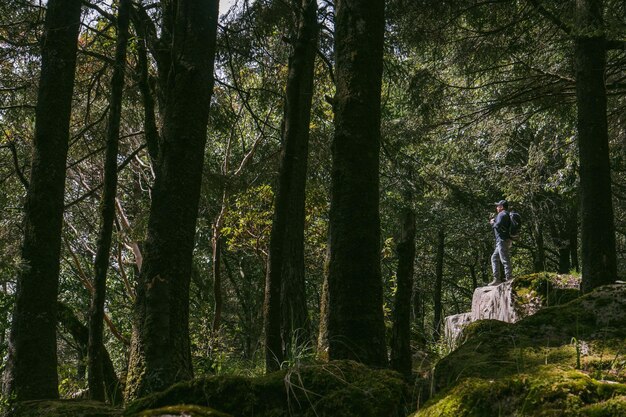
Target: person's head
501	205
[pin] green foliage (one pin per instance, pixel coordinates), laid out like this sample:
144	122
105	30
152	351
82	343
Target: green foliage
248	224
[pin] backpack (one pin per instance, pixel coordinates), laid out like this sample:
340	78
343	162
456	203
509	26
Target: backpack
516	224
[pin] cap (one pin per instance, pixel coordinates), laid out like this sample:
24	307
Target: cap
502	203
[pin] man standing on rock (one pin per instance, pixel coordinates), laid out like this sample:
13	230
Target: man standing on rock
501	226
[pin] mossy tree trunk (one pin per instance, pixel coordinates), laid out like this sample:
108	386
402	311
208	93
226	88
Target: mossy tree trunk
539	258
355	326
286	318
107	210
151	132
573	236
438	307
160	351
32	357
401	332
599	264
80	334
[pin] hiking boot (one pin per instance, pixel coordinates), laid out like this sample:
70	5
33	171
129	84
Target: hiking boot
496	281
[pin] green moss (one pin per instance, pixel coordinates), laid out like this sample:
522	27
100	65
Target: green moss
183	410
544	289
64	408
615	407
549	391
342	388
530	368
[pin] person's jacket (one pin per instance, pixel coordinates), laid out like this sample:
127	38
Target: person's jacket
502	226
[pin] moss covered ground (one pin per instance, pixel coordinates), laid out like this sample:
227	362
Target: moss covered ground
566	360
63	408
183	411
337	389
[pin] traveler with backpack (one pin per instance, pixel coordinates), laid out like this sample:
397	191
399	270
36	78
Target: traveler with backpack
502	225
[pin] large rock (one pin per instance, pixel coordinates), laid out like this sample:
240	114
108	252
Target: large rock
453	325
63	408
565	360
335	389
183	411
495	302
512	300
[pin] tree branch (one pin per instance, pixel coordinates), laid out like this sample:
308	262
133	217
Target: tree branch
551	17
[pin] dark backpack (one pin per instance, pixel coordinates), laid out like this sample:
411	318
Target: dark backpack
516	224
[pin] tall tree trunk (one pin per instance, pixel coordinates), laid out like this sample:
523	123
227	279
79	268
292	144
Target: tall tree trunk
216	244
401	332
160	351
539	261
151	132
599	264
418	310
80	334
285	295
322	338
107	210
573	236
441	238
32	363
356	329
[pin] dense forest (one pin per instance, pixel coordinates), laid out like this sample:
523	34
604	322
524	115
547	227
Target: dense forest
194	189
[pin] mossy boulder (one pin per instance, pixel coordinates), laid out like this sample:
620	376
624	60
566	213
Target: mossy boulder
63	408
543	289
564	360
183	411
338	389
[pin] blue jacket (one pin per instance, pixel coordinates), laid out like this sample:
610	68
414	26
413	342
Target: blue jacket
502	226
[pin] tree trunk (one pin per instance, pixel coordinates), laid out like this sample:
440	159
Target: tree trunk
151	132
32	360
107	210
285	294
401	332
216	244
80	334
599	265
441	237
418	310
355	327
573	236
160	351
539	261
322	335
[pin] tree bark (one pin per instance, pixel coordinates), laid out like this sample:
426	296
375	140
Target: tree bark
596	207
32	360
160	351
107	210
401	332
599	264
355	326
151	132
286	319
80	334
539	261
441	237
573	236
216	244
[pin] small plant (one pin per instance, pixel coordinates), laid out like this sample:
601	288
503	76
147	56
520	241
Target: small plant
577	345
299	350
